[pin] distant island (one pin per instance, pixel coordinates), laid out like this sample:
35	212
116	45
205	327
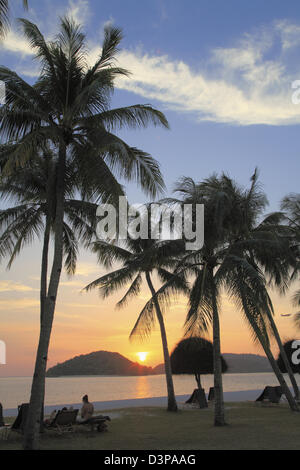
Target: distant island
113	363
99	363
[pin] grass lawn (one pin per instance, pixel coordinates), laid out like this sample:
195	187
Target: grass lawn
250	427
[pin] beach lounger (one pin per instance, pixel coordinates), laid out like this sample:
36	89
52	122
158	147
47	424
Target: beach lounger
211	394
4	429
64	421
271	394
198	397
98	422
20	421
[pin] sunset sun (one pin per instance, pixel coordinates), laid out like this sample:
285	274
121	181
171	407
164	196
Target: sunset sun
142	356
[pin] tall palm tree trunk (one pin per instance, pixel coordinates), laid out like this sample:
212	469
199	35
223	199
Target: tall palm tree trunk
31	437
219	418
44	268
285	358
172	405
276	370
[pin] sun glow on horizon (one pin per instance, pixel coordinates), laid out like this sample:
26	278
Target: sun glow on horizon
142	356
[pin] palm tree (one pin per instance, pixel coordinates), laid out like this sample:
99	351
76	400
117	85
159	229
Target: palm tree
4	15
33	216
68	110
291	207
142	258
230	259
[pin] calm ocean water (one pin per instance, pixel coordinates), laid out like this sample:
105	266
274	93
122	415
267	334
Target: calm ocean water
16	390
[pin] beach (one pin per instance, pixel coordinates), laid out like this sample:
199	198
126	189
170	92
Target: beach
237	396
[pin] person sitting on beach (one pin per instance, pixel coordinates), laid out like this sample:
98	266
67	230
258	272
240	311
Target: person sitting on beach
86	411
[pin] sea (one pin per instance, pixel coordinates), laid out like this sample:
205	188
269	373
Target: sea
69	390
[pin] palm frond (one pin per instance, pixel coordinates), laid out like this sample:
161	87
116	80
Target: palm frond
70	249
38	43
110	253
145	321
132	117
199	316
133	291
4	17
112	38
111	282
164	296
296	298
297	320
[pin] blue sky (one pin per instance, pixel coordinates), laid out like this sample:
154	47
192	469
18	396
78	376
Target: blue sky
221	71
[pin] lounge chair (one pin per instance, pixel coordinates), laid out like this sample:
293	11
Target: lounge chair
198	397
4	429
211	394
20	421
98	421
64	421
272	394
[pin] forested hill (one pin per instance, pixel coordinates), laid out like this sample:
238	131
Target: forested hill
112	363
99	363
237	364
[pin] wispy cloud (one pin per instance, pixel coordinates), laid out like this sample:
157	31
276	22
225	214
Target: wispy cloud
79	305
10	286
18	304
239	85
86	269
248	83
78	284
15	42
79	10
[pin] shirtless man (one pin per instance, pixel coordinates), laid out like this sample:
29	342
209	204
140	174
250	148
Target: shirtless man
87	410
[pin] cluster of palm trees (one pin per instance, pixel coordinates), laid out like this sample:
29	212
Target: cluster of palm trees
60	157
244	254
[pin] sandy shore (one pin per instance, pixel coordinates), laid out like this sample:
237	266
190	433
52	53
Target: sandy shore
244	395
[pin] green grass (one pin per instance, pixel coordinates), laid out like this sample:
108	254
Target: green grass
250	426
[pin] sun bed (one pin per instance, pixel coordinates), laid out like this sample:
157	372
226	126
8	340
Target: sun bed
20	421
271	394
98	422
211	394
198	397
64	421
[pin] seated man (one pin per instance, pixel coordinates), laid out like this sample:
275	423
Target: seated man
86	411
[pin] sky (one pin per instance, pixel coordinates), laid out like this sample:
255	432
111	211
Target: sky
222	73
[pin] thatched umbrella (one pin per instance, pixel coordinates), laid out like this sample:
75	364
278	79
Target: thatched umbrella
194	356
